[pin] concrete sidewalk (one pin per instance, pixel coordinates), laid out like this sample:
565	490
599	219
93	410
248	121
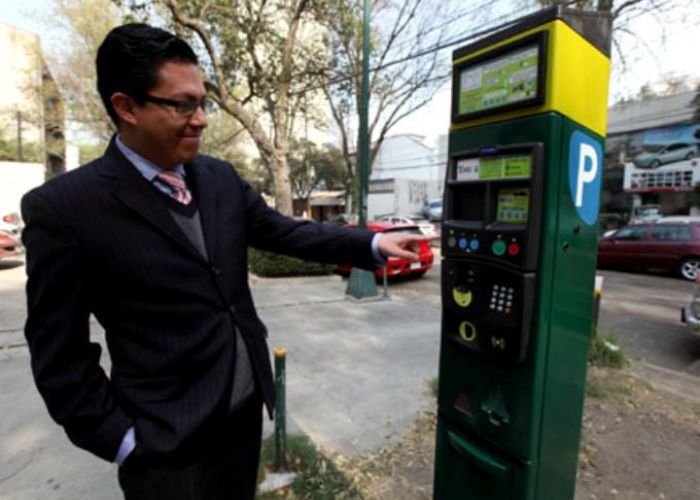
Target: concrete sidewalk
356	376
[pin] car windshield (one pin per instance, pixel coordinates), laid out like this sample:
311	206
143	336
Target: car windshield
435	204
653	148
410	230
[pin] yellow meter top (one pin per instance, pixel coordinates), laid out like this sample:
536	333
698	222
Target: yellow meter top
528	69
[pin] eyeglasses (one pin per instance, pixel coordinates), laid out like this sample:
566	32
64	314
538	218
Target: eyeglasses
182	108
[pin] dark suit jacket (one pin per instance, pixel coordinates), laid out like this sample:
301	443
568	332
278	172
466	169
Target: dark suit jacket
99	240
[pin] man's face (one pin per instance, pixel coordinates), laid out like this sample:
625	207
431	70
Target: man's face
163	135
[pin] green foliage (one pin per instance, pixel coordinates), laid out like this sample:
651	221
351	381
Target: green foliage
274	265
604	350
312	166
318	477
31	152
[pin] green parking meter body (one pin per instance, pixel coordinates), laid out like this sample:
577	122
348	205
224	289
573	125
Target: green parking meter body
519	244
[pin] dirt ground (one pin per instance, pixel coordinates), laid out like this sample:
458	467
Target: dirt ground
638	443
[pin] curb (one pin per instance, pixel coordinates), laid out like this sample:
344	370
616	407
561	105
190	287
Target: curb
678	383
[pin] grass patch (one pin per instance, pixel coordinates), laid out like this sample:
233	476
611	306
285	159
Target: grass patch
604	350
610	388
318	477
433	387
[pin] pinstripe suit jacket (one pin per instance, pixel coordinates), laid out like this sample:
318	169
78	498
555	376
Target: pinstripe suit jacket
99	240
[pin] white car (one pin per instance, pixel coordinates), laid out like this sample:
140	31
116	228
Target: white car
425	227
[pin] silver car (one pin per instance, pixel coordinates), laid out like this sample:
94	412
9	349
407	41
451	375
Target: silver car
432	209
426	228
665	154
690	314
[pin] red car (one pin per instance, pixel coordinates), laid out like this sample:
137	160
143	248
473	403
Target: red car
674	247
9	245
396	266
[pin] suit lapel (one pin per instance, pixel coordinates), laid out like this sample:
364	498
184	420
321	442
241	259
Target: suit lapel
133	191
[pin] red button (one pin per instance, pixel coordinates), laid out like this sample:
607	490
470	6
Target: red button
513	249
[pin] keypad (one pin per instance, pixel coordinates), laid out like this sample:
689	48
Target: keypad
501	299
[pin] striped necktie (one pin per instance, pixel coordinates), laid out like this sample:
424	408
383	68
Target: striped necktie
178	188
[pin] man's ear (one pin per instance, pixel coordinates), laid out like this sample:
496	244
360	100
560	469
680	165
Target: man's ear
124	107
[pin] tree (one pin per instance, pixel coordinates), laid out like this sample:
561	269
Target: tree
312	166
81	26
256	55
406	71
622	12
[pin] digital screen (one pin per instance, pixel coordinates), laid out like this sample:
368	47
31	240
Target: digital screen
502	81
493	167
512	205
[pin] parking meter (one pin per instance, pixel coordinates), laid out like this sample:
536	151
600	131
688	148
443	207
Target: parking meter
519	241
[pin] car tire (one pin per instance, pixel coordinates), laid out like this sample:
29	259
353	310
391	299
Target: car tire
689	155
654	164
689	267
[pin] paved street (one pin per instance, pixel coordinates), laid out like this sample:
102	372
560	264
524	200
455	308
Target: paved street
356	372
643	311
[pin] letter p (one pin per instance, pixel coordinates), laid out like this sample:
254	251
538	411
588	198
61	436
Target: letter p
587	154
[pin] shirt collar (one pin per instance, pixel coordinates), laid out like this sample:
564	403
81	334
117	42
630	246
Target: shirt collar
146	167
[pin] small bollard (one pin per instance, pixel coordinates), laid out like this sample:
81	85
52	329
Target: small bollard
281	410
385	280
597	294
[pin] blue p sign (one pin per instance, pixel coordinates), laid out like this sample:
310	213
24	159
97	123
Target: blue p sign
585	172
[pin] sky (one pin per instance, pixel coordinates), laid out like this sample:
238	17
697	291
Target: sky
650	56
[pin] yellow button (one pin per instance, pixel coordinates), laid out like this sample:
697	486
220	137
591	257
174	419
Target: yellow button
467	331
461	298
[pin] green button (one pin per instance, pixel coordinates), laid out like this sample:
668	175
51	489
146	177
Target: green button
498	247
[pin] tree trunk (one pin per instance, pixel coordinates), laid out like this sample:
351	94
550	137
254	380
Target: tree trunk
282	186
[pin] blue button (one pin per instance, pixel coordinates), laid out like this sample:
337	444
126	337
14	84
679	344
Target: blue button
474	244
462	243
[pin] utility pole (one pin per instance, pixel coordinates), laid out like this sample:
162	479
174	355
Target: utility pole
20	156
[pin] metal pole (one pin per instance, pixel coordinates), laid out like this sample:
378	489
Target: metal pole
364	110
20	156
362	284
280	409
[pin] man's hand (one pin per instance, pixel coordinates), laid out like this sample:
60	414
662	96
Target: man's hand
402	245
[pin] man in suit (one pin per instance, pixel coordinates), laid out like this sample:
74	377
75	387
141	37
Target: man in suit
152	240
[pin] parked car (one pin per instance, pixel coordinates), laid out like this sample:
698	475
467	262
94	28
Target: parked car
690	314
432	209
673	247
665	154
679	219
643	214
9	245
9	219
397	266
427	228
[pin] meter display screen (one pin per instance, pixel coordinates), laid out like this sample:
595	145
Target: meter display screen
493	167
505	80
512	206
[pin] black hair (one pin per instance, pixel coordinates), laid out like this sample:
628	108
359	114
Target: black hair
130	57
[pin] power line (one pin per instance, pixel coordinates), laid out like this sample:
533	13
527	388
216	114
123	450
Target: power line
450	43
